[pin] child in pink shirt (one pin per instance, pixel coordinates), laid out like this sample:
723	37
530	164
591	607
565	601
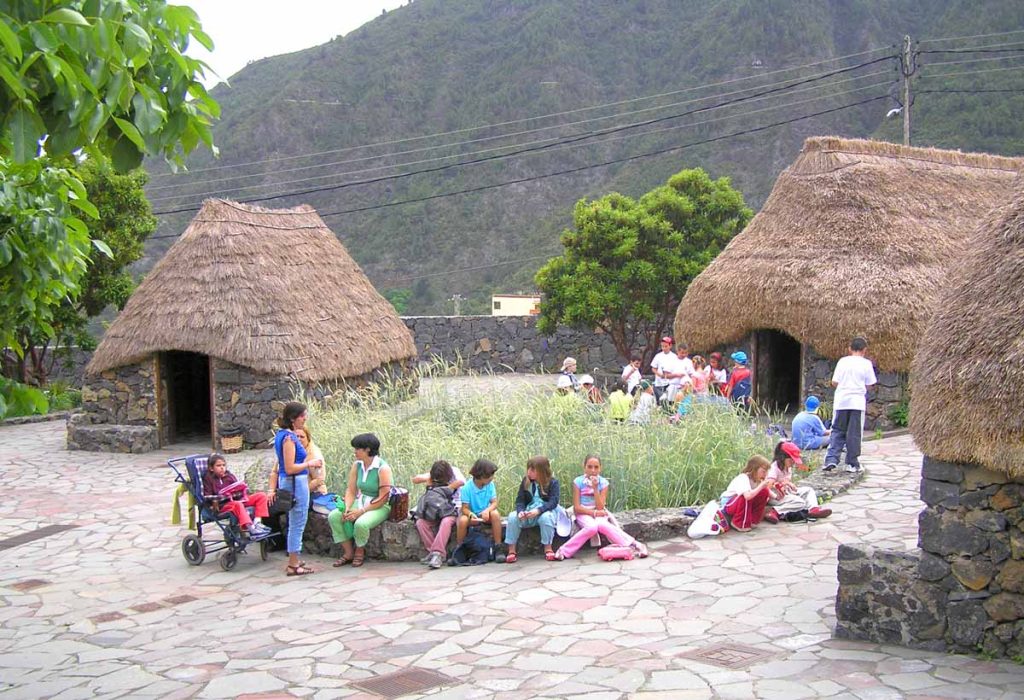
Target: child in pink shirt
589	493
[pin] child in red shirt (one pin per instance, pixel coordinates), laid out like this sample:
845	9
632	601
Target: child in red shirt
227	494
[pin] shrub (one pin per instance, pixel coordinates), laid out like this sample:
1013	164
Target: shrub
658	465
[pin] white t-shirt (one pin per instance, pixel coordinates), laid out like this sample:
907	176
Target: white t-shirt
721	375
458	492
682	366
775	473
741	484
663	361
631	376
853	375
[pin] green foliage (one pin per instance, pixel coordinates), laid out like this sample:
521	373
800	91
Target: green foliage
82	79
18	399
900	413
62	397
658	465
627	263
399	298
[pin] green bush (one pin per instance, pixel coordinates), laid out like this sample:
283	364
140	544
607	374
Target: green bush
62	396
658	465
17	399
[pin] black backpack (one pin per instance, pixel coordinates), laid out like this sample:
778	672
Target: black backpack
476	549
435	503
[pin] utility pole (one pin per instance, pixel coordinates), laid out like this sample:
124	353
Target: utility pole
457	299
907	68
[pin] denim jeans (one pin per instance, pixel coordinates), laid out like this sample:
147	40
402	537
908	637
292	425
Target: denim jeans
546	522
299	512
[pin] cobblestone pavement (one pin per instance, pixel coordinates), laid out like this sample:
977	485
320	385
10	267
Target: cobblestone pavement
110	608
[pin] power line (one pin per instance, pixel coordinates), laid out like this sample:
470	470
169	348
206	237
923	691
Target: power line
973	36
534	118
1016	50
925	92
460	143
969	72
553	142
971	60
521	151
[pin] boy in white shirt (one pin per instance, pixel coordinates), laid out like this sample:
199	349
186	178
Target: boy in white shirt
661	365
852	377
631	375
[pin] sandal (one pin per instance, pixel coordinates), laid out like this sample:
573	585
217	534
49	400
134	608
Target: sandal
511	558
342	561
300	570
549	555
357	560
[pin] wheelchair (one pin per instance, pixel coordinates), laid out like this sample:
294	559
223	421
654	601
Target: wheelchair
231	542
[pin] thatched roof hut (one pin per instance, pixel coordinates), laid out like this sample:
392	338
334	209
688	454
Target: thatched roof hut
857	237
268	289
969	371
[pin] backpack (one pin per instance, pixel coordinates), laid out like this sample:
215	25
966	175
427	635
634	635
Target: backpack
741	391
476	549
435	503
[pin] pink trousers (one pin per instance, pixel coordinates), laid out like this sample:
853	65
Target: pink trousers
590	526
434	534
257	499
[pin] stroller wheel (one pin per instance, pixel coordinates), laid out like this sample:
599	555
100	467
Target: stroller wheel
193	549
264	550
228	560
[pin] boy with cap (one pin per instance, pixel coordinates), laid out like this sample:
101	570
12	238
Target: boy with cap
739	389
809	432
851	378
661	365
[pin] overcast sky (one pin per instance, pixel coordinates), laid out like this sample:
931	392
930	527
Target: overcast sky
248	30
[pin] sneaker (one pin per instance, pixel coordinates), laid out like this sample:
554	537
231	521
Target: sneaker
425	559
641	549
819	512
853	468
772	516
435	560
830	467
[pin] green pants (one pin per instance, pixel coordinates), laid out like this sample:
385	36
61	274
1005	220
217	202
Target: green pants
344	530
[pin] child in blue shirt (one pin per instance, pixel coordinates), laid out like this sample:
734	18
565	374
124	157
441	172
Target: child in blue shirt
479	501
809	432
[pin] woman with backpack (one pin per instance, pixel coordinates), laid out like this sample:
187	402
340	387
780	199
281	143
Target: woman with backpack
438	510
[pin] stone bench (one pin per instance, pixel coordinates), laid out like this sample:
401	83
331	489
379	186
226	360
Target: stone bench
109	437
401	541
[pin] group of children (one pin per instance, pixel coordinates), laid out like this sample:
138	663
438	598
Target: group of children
450	500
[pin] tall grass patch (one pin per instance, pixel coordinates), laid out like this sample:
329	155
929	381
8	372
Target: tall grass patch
653	466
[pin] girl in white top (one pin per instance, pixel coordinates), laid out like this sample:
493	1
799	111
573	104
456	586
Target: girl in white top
746	497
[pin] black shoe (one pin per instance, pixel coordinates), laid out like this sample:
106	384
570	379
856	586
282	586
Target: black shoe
831	467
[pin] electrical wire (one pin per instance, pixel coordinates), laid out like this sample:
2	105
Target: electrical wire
969	60
969	72
973	36
467	142
554	142
531	149
926	92
538	117
1016	50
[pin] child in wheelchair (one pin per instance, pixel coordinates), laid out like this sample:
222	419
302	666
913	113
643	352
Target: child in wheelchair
225	493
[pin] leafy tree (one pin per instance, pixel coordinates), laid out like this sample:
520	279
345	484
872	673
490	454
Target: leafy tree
399	298
82	79
627	263
124	221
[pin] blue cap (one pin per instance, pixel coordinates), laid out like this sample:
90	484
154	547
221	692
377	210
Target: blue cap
812	403
739	356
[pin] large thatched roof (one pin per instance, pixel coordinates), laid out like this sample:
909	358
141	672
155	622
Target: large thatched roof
969	371
269	289
856	238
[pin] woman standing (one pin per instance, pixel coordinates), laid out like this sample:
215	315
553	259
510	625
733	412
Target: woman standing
366	500
292	474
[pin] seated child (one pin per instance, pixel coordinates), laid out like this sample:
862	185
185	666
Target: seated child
589	493
535	507
787	497
480	501
437	510
809	432
746	497
645	404
620	403
218	491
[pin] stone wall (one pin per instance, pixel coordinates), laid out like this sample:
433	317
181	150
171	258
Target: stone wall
119	411
963	589
511	343
886	395
248	400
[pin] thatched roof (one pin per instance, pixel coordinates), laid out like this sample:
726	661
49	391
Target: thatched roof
856	238
269	289
969	371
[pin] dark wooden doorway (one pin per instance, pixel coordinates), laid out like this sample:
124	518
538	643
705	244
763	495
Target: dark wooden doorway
185	386
777	371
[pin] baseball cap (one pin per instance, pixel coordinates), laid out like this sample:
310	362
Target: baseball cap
644	384
586	379
812	403
739	356
793	452
564	382
667	339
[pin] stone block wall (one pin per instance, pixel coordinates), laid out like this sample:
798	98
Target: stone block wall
119	411
248	400
510	343
963	589
886	395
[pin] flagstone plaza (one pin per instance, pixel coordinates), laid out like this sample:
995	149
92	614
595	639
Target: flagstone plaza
109	608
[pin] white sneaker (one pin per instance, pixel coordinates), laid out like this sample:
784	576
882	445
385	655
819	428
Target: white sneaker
853	469
435	560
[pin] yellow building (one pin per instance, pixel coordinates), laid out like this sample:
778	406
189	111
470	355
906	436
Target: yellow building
515	305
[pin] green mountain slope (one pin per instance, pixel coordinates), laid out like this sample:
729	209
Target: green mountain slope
445	66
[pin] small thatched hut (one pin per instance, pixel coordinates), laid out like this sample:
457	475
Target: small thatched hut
963	589
247	301
857	237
